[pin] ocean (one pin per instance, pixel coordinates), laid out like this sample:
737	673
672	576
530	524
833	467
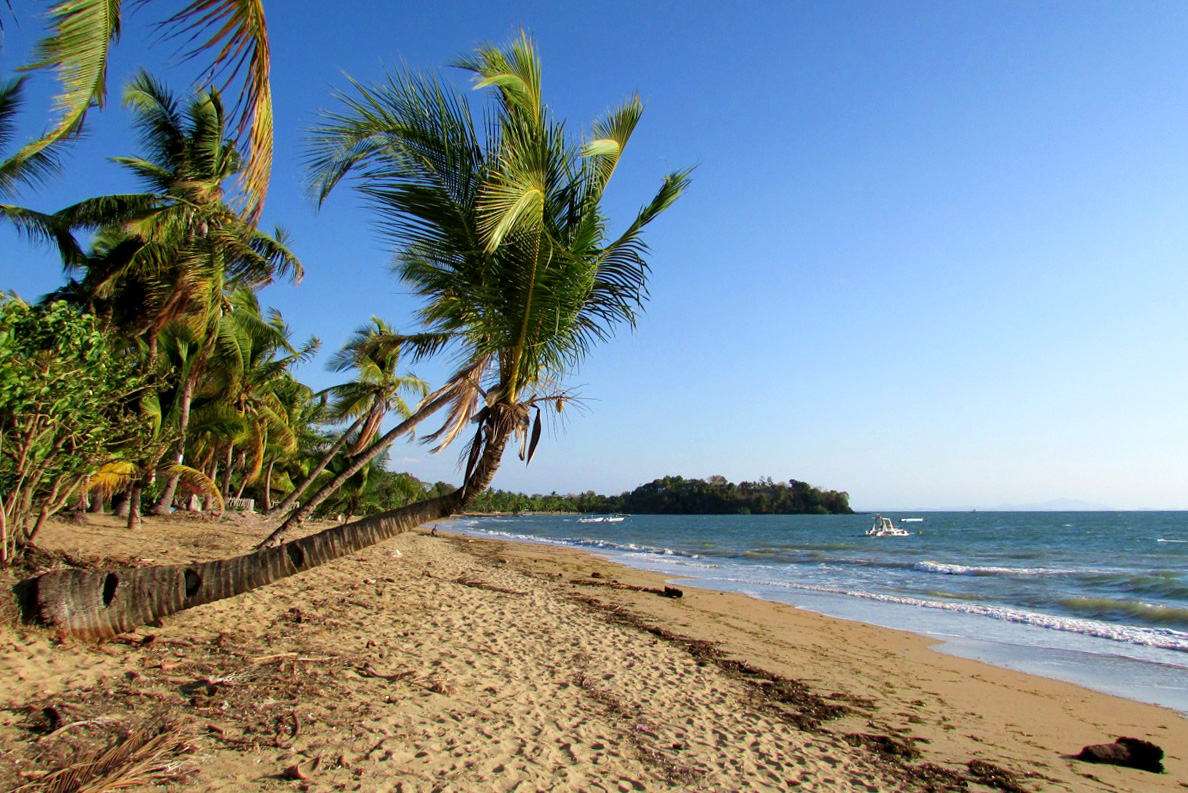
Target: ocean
1095	598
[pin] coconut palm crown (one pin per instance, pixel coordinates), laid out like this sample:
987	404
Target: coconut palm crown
179	240
502	234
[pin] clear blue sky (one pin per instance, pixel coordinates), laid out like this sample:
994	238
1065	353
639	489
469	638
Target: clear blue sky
933	254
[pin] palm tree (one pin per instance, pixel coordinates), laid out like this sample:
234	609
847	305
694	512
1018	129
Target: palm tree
170	254
179	239
374	353
79	44
252	361
506	242
300	411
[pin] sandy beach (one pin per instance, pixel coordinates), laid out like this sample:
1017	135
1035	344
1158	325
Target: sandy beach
444	663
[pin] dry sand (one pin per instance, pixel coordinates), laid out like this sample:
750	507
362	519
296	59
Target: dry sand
449	664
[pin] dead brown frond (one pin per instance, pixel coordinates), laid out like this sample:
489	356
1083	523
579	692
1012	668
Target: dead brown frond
466	396
142	757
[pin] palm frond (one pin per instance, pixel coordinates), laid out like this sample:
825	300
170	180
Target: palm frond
238	31
196	481
77	49
113	477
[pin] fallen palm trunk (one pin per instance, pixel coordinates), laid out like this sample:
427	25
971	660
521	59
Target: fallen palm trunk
97	605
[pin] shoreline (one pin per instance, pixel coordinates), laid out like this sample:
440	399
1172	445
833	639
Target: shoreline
1133	663
458	663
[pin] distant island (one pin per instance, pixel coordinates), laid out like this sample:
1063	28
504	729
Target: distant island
675	495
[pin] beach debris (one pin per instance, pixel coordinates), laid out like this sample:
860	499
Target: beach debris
1129	752
990	775
301	770
668	591
885	745
473	584
140	758
367	670
931	776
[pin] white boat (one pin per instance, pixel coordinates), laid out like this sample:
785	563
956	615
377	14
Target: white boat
883	527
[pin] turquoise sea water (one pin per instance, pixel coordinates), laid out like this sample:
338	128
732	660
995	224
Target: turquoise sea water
1096	598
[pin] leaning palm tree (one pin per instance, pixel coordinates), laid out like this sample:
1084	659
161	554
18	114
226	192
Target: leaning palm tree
78	47
373	353
504	238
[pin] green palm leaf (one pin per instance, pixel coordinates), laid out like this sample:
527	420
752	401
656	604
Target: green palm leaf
77	50
78	47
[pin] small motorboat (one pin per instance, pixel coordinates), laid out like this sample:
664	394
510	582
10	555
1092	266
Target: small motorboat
884	527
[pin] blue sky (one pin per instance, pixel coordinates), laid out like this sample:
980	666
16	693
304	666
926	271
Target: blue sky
933	254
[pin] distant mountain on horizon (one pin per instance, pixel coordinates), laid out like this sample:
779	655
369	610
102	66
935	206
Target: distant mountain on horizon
1055	505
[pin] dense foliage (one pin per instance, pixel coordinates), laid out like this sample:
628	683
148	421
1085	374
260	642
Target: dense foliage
64	396
675	495
166	295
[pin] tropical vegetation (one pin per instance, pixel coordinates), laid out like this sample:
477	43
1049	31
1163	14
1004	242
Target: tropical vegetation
65	404
496	222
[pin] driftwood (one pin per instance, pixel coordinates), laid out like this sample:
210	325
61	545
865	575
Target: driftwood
1129	752
668	591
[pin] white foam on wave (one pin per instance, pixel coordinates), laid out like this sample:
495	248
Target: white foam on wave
1160	638
944	568
669	559
628	548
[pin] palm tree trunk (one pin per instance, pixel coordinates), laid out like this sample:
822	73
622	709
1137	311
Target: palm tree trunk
97	605
226	489
164	505
134	505
328	489
268	486
300	488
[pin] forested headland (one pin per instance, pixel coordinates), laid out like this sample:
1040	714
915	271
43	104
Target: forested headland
676	495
